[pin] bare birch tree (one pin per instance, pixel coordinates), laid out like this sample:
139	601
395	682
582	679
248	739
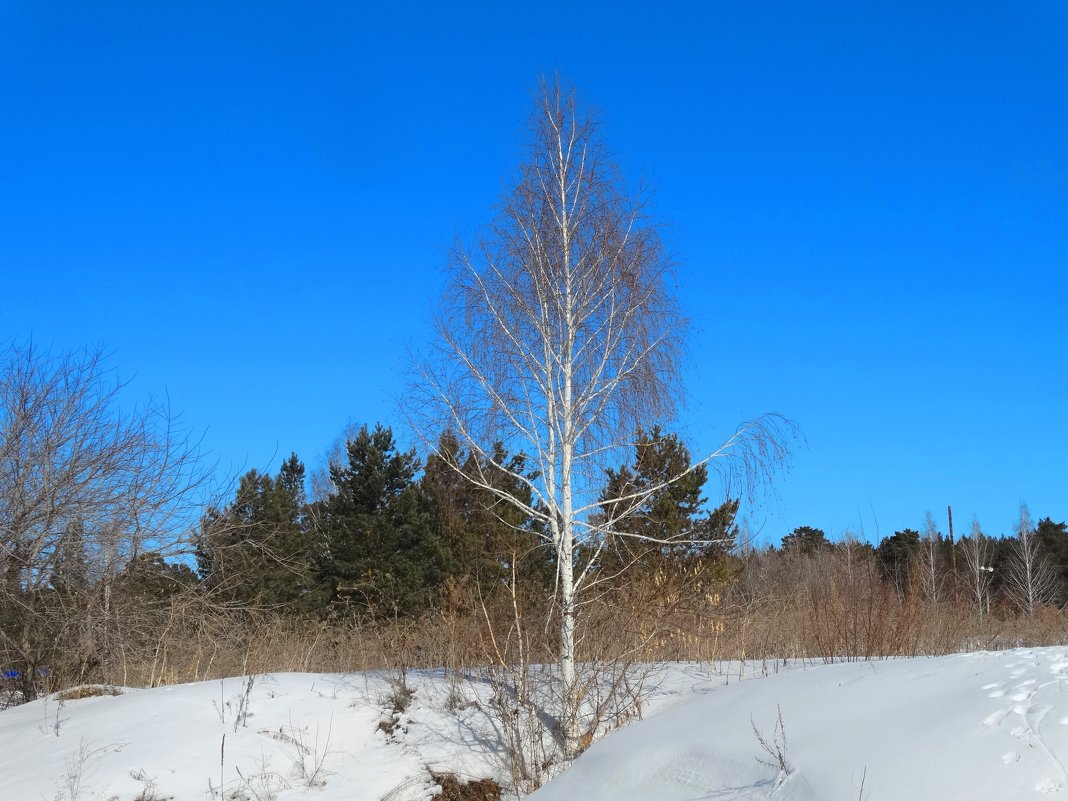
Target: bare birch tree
559	337
978	551
931	576
1030	580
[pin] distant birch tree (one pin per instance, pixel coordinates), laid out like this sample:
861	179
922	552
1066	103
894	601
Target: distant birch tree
559	337
1030	580
931	576
978	551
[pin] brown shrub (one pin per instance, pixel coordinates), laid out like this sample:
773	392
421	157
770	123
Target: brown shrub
453	789
88	691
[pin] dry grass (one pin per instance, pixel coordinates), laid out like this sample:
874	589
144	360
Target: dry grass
88	691
823	607
874	625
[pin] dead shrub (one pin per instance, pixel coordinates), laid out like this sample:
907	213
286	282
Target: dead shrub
454	789
88	691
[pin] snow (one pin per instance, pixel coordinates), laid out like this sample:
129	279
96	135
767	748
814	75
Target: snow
981	726
975	726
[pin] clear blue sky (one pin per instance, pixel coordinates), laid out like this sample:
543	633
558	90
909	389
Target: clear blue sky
249	205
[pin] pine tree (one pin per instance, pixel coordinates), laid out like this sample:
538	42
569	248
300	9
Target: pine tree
70	570
670	523
896	555
259	549
149	578
482	535
381	555
805	540
1054	539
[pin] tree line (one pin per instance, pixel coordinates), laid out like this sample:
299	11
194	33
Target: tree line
98	552
392	531
1019	572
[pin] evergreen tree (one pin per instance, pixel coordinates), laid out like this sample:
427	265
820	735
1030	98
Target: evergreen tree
259	550
1054	539
896	555
805	540
70	569
149	578
481	535
381	554
721	527
670	523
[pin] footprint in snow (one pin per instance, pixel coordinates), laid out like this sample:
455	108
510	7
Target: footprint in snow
1048	786
1025	683
1020	695
995	718
992	685
1020	732
996	694
1021	709
1009	757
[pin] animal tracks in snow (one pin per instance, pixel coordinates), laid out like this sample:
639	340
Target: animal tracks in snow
1033	688
995	718
1048	786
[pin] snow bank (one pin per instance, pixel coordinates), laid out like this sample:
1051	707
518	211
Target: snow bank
983	727
977	726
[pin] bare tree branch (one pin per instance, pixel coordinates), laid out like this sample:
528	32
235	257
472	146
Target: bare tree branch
559	336
86	487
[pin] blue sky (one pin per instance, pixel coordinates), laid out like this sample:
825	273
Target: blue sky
249	205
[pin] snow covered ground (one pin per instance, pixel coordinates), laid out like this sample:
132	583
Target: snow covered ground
972	726
982	726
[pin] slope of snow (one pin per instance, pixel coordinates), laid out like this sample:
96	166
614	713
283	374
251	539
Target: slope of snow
304	736
984	726
973	726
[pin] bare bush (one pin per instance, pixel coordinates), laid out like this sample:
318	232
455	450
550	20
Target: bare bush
775	749
87	488
308	751
77	768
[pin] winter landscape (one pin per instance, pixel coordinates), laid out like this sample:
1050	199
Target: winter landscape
986	726
565	401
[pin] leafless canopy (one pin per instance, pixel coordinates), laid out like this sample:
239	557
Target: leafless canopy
978	552
558	330
85	487
559	334
1030	581
560	337
72	465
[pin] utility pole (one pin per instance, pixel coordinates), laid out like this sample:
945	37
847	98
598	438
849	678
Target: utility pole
952	554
